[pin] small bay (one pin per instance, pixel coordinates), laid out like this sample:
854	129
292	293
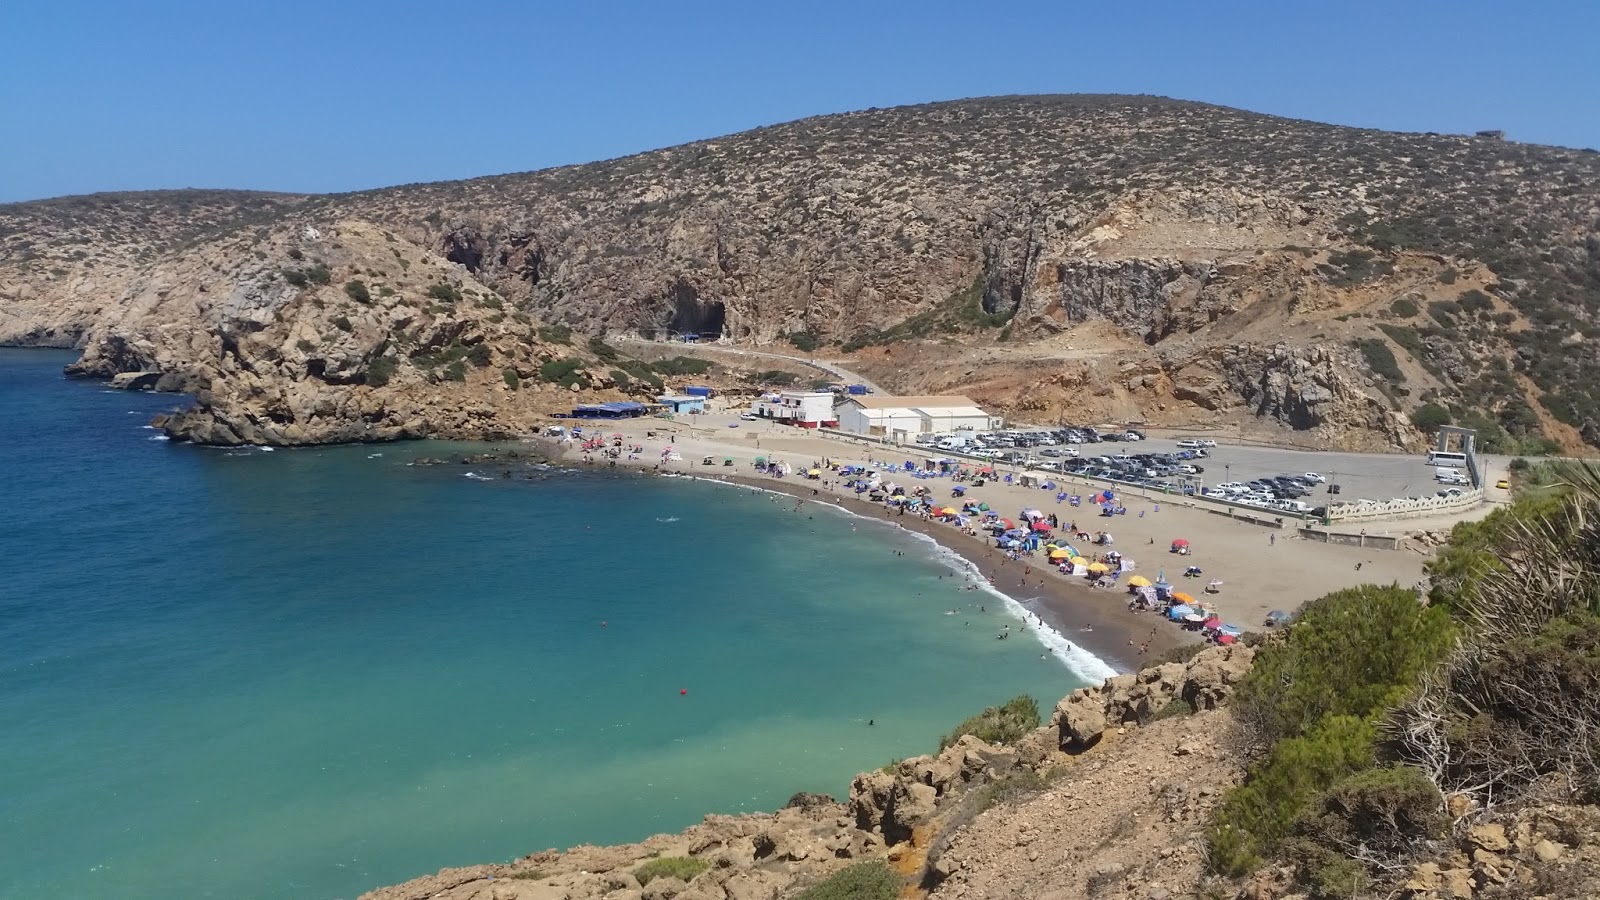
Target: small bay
307	673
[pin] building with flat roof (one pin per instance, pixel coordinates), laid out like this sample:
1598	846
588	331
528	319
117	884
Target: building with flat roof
901	419
807	409
682	403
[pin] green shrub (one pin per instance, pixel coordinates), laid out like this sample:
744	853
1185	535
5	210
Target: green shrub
682	867
444	293
320	274
357	291
603	350
1449	276
304	346
623	379
1255	817
1387	810
862	881
1175	707
343	323
1380	359
511	378
385	291
1012	786
1312	702
296	254
681	365
1350	653
806	341
774	377
380	370
1005	724
1430	416
555	334
480	355
456	371
561	371
1475	301
1404	308
296	277
1518	466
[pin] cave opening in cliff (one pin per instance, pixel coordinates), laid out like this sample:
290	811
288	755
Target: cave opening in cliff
693	314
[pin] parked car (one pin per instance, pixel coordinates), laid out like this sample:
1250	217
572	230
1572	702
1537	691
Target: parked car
1503	485
748	417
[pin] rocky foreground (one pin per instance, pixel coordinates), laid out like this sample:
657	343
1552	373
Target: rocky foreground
1108	801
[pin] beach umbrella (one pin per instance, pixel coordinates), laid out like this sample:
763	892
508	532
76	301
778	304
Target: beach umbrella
1181	597
1078	561
1099	568
1180	542
1048	486
759	459
1139	581
1041	525
1008	523
1179	611
1059	553
983	506
1212	622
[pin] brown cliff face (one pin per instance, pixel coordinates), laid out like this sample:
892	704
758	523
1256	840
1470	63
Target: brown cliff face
1014	224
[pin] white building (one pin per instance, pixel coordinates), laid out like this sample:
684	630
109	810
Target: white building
807	409
901	419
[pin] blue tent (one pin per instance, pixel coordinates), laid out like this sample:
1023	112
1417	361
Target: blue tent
1179	611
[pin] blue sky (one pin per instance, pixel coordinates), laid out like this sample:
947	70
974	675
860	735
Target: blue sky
331	95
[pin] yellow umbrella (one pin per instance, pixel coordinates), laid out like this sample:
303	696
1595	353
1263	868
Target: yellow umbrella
1099	567
1079	561
1181	597
1058	553
815	472
949	511
1139	581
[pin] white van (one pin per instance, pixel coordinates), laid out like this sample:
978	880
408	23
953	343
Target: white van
1190	445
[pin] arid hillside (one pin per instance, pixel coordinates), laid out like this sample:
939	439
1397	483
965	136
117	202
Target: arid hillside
1120	256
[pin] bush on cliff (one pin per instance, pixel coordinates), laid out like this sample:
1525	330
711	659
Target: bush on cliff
356	290
1005	724
862	881
1309	710
680	867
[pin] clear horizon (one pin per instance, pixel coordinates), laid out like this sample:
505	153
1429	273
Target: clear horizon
307	98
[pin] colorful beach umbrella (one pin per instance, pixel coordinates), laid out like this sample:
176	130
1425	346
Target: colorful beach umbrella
1059	553
1079	561
1041	525
1182	597
1139	581
1099	568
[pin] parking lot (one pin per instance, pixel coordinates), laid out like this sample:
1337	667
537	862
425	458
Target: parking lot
1359	476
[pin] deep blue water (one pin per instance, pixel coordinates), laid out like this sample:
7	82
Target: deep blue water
307	673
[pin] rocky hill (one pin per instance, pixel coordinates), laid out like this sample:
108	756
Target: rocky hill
1114	256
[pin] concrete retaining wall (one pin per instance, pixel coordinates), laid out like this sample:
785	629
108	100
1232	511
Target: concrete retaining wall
1406	508
1374	541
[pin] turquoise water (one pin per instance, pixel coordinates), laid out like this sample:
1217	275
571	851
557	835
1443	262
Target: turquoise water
309	673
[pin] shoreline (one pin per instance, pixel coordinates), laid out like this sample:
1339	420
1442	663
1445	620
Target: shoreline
1062	608
1071	619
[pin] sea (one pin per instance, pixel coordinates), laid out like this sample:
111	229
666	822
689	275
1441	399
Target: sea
254	673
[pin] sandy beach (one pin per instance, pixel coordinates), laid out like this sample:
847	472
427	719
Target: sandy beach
1261	568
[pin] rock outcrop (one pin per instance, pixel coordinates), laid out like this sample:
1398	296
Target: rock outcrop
1201	683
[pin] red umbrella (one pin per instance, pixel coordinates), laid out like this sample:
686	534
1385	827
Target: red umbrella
1212	622
1008	524
1041	525
1180	542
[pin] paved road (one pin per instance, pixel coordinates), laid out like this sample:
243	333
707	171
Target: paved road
830	368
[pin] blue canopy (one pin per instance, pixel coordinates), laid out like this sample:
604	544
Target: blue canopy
1234	630
1179	611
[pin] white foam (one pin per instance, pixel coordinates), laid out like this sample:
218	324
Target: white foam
1082	663
668	519
476	477
262	448
158	437
148	427
373	455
